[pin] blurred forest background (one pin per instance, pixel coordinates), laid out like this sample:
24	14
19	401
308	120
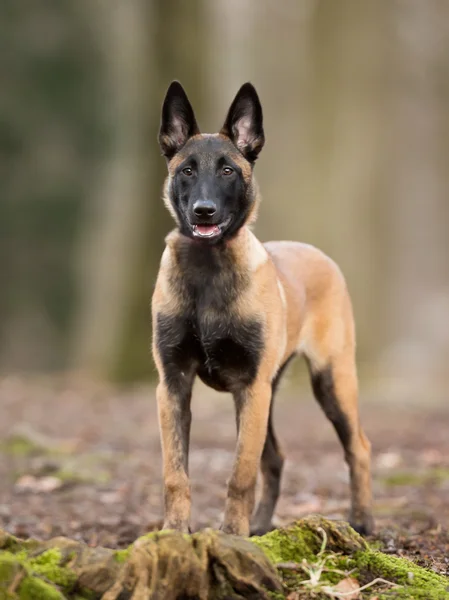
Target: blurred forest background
356	105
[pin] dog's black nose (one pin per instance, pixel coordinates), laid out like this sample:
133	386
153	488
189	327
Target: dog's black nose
204	208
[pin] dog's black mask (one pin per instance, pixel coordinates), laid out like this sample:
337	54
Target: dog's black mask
210	187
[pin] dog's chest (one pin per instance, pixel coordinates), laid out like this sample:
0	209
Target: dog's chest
225	350
207	330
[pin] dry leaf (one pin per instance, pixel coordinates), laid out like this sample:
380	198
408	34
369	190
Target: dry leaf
389	460
29	483
49	484
346	586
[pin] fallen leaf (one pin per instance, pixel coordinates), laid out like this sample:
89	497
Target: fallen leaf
389	460
26	483
49	484
30	483
346	586
430	457
114	497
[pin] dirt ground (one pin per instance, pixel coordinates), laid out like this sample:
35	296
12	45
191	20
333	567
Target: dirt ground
83	460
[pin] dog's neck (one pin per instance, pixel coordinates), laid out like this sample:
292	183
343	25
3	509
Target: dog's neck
243	253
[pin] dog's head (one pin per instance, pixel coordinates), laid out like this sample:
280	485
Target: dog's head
210	189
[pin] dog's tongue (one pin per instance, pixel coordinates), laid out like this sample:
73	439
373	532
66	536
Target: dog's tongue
207	229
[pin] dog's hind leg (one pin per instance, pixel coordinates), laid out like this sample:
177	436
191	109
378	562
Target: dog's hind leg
271	466
335	388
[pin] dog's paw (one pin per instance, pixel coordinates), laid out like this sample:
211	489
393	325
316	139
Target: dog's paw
261	529
362	523
236	528
180	526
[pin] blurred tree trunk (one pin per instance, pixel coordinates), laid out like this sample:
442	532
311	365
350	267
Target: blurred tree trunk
114	231
177	36
48	121
419	267
230	39
345	161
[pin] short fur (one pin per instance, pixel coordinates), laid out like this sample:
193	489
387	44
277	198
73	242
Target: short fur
234	312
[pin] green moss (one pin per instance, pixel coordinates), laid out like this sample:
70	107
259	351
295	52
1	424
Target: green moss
305	539
365	566
48	564
418	583
403	479
276	596
72	476
40	573
121	556
431	476
291	544
8	566
45	575
345	551
439	474
33	588
19	445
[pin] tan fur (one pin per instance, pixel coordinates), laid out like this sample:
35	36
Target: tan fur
261	298
302	300
318	305
299	297
320	326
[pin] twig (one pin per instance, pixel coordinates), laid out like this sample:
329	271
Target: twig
289	566
15	583
331	592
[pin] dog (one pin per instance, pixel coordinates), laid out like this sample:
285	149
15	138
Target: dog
235	311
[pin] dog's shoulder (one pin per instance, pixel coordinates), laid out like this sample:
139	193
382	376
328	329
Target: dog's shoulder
256	254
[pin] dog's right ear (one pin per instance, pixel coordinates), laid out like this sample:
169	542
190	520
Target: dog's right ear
178	121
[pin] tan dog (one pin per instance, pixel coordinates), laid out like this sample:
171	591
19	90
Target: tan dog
234	312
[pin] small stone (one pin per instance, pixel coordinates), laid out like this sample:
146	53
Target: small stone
26	483
49	484
389	460
111	498
109	521
30	483
5	512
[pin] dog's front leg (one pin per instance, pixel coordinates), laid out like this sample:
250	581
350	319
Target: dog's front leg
174	422
253	407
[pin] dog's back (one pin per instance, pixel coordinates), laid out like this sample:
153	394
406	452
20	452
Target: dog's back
317	303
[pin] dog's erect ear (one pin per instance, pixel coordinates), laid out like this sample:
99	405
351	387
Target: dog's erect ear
244	123
178	121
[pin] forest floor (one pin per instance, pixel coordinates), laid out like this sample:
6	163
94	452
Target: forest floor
83	460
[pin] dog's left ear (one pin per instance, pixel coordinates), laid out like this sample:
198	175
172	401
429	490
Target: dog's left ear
178	121
244	123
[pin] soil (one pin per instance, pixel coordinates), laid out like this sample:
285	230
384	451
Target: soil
83	460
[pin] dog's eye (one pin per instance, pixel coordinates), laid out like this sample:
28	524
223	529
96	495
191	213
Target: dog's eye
228	171
188	171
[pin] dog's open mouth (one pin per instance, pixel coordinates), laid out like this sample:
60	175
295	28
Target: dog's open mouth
206	231
209	231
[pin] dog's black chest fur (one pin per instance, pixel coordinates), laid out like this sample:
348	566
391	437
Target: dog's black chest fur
207	333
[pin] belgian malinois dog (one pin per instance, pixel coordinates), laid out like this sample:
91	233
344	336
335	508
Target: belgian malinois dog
234	312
